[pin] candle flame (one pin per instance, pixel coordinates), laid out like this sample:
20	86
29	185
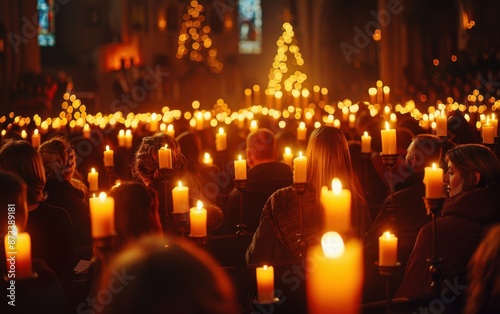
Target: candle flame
388	235
153	116
253	124
492	116
221	130
288	150
332	244
199	205
387	125
128	133
365	134
302	125
86	127
300	154
239	157
265	267
170	127
121	133
35	132
166	146
434	166
180	184
206	156
107	147
102	196
336	186
92	170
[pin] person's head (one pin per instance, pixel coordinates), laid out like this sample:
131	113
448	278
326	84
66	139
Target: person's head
261	147
190	144
145	162
58	159
136	211
483	294
168	275
423	151
22	159
13	202
470	166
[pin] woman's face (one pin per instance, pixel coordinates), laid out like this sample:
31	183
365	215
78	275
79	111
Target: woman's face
454	180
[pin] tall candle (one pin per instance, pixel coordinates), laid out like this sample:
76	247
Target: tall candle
265	284
301	132
300	169
165	157
441	125
387	249
199	121
388	140
207	160
488	133
366	143
248	97
433	180
102	216
108	157
240	169
86	131
221	140
153	124
35	139
180	199
18	247
128	139
92	178
337	207
387	91
288	157
121	138
170	130
254	126
198	220
335	276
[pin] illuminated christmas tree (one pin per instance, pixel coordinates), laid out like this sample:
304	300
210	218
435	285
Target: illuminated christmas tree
194	38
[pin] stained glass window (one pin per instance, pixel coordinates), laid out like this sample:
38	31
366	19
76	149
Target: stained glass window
46	23
250	26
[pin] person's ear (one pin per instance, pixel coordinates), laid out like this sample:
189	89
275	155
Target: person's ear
476	176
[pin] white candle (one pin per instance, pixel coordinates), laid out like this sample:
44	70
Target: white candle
387	249
240	169
165	157
102	216
18	247
441	125
288	157
301	132
92	178
337	207
153	124
108	157
265	284
121	138
171	130
366	143
300	169
388	140
180	199
128	139
494	122
198	220
433	180
488	133
254	126
35	139
221	140
86	131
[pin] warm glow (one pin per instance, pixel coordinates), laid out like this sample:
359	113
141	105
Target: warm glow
300	154
180	184
199	205
92	170
387	235
221	130
365	133
107	147
332	244
102	195
336	186
433	166
288	150
387	125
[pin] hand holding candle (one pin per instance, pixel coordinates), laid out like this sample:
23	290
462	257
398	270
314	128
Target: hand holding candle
198	220
265	284
387	249
433	180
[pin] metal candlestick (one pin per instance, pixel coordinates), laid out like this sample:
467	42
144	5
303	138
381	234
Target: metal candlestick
241	228
388	272
389	161
434	205
165	176
300	189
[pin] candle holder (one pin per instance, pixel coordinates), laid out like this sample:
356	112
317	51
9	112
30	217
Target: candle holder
166	175
182	220
200	241
436	269
110	170
241	228
300	189
388	273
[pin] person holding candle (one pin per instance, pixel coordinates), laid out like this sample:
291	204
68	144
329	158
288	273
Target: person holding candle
276	240
265	176
48	225
145	167
473	184
41	295
60	166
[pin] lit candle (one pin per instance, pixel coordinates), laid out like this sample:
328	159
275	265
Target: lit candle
488	133
128	139
102	216
301	132
387	249
18	247
277	96
165	157
121	138
387	91
207	160
379	85
335	276
92	179
372	91
198	220
180	199
108	157
199	121
441	125
248	97
300	169
254	126
221	140
265	284
256	95
240	169
170	130
86	131
388	140
494	122
24	135
35	139
153	124
366	143
337	207
288	157
433	180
